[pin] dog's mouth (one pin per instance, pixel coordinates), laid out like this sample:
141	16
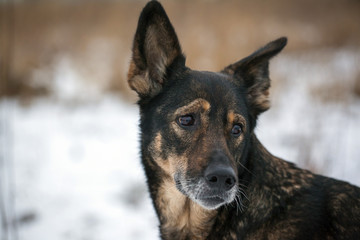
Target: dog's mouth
204	195
213	201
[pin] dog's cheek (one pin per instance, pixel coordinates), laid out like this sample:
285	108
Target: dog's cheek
180	139
155	150
237	148
165	155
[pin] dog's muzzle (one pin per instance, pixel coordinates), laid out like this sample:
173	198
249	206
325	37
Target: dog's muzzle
215	187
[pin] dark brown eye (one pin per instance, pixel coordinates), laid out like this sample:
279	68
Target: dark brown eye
236	130
186	120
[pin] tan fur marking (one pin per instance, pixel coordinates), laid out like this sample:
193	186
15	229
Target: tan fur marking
132	69
205	105
178	131
140	84
172	163
181	214
171	202
157	144
199	104
231	117
156	148
236	118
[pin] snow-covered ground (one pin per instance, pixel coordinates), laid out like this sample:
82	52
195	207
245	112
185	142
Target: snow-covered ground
77	172
76	167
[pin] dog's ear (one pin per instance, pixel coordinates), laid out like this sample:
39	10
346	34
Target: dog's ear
155	49
252	73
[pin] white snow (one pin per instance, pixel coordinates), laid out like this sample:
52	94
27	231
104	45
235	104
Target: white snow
77	167
78	171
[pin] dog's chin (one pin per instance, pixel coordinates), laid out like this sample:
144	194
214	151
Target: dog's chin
211	203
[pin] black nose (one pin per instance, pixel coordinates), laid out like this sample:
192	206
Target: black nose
220	176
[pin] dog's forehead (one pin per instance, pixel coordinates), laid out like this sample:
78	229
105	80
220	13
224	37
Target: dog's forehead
199	90
209	78
216	88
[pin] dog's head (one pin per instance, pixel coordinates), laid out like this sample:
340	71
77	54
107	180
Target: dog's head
195	125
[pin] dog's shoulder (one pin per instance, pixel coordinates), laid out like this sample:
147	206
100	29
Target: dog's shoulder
343	207
329	205
289	201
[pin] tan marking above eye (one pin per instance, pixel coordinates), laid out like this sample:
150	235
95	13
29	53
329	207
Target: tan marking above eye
235	118
231	117
198	105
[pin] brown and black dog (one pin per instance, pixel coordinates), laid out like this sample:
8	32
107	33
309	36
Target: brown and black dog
208	175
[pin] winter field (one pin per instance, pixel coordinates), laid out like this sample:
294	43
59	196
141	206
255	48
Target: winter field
71	167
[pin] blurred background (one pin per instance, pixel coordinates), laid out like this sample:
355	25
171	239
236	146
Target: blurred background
69	158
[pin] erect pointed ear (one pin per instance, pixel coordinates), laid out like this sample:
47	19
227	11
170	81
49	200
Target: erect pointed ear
252	73
155	49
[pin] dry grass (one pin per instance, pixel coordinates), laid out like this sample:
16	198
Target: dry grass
335	92
213	34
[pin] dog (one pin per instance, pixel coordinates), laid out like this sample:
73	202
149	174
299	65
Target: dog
208	175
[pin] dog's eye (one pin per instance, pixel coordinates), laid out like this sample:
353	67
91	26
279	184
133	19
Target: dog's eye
236	130
186	120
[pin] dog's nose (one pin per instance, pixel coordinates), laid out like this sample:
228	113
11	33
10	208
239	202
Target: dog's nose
220	177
